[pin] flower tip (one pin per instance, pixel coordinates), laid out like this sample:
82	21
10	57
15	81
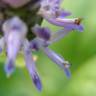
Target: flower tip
66	69
39	86
9	68
67	72
37	83
81	28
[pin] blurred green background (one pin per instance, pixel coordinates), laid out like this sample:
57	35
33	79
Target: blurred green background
78	48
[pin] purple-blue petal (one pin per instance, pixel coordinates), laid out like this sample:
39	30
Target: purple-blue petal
42	32
9	67
37	82
59	35
64	13
30	64
67	72
68	26
34	45
58	60
75	27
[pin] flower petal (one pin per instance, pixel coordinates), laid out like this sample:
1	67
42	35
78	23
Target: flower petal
73	26
58	60
67	72
30	64
38	43
49	7
34	45
9	67
14	24
59	35
63	13
41	32
14	33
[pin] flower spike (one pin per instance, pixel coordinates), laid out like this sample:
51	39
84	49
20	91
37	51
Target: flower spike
17	37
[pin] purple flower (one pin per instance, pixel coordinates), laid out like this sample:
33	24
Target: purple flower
30	64
58	60
15	32
47	35
15	39
50	11
49	7
73	24
43	44
42	32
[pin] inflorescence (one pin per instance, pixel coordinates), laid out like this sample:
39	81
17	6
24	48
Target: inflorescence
15	39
